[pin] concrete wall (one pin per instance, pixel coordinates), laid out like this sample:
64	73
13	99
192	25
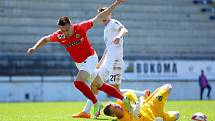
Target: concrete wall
19	91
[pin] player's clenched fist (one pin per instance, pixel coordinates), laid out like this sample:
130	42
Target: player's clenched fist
30	51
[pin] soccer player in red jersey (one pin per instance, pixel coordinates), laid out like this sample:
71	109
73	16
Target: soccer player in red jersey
74	38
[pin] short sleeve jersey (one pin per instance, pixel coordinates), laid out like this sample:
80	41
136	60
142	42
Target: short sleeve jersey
78	44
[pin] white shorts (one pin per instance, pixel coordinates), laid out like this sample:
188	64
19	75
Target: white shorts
89	65
112	71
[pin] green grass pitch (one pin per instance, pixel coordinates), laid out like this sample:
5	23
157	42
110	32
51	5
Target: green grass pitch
62	111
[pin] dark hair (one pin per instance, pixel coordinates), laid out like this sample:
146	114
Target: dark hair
100	9
62	21
106	110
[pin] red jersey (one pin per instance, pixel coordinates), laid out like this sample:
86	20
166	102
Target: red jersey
78	44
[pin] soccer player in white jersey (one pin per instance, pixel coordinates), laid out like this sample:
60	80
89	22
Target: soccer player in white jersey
111	64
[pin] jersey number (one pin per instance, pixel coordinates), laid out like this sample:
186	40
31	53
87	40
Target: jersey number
159	98
113	78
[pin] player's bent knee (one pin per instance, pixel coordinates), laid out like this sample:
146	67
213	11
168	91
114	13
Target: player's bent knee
168	87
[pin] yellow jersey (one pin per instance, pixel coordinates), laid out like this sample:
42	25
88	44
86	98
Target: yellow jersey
152	108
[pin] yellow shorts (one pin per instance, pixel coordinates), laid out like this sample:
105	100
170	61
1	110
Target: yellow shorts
156	101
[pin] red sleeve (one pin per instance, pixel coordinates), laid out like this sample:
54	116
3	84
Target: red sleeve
86	25
54	37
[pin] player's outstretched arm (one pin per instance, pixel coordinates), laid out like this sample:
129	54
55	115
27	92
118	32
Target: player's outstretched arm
103	15
39	44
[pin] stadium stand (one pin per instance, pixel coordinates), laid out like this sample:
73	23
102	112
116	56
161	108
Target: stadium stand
202	1
157	29
36	66
208	8
212	17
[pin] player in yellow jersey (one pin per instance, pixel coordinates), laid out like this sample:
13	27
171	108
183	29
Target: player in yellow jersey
152	109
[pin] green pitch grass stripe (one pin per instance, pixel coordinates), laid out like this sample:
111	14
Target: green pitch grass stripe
62	111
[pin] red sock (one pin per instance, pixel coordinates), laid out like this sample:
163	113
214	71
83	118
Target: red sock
85	90
112	91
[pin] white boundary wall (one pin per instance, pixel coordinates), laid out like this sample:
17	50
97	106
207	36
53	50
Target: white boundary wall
183	75
20	91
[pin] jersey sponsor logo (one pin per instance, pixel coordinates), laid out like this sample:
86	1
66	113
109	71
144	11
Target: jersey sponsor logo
61	36
74	43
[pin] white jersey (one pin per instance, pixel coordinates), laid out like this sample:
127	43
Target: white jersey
110	32
112	67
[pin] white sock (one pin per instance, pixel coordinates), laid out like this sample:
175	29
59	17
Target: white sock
138	93
88	105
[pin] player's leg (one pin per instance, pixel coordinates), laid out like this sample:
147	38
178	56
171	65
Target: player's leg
95	85
103	74
201	92
138	93
107	88
98	84
115	78
163	90
171	116
81	85
114	70
85	113
209	91
157	100
115	73
87	69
